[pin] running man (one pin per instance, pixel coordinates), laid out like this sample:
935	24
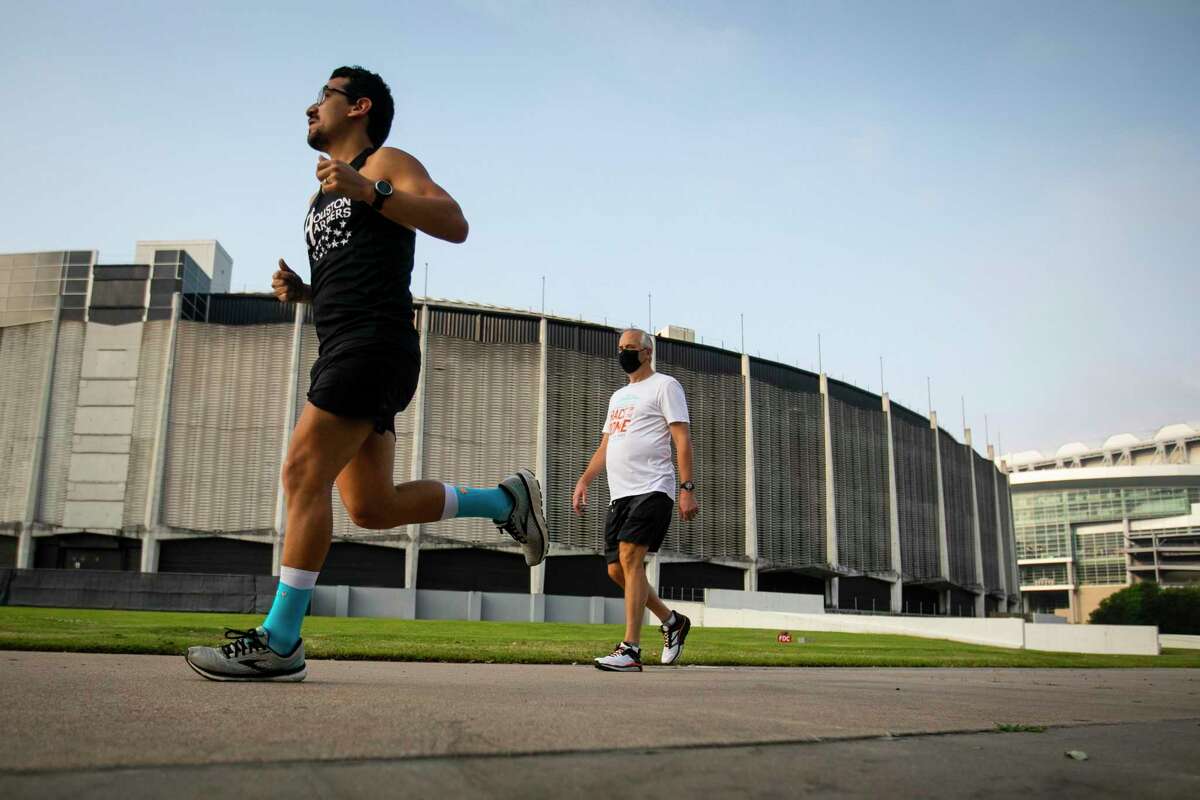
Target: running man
644	418
361	230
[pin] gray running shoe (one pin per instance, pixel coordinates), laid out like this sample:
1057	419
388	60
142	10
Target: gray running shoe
247	658
526	523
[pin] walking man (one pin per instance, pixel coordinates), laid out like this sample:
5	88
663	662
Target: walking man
644	418
361	230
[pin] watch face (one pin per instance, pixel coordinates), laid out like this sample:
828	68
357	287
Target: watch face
383	187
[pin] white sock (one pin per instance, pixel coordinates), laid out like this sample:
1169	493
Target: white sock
450	506
298	578
671	620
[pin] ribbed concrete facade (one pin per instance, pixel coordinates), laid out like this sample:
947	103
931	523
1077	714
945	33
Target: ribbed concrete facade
157	445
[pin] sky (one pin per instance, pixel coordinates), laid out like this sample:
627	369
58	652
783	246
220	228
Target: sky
999	200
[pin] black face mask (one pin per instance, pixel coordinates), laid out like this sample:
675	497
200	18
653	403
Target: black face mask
630	360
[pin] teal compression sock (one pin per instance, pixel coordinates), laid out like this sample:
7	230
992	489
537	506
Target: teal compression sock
287	612
493	504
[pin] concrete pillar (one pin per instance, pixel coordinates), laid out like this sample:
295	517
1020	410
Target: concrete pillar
1001	563
25	545
653	570
341	601
751	577
831	539
158	458
537	575
596	611
976	532
150	551
417	465
412	557
897	593
474	606
831	592
537	579
1126	534
943	543
1012	527
1071	604
537	608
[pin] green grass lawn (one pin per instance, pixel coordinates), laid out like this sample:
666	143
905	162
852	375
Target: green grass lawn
170	633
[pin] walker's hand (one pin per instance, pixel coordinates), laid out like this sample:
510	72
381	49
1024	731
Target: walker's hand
579	499
287	285
339	177
688	507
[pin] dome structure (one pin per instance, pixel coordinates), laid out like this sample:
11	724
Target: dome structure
1120	441
1072	449
1173	433
1025	457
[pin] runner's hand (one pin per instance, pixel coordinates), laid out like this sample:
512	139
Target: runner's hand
339	177
688	507
287	285
579	499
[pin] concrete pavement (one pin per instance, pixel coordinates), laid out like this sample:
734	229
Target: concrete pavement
97	725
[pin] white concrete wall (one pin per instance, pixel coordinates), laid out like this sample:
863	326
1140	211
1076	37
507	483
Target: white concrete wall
1132	640
1011	633
992	632
1179	640
765	601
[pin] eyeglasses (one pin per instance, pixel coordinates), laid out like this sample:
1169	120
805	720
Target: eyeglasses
630	347
323	93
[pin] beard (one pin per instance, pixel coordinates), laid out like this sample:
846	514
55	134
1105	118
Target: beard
317	141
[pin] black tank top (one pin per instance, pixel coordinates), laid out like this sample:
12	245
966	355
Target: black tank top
361	264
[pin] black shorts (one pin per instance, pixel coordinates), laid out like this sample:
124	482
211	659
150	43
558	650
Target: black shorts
638	519
365	384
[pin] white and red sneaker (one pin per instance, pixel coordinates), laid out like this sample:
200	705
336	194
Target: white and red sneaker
626	658
673	638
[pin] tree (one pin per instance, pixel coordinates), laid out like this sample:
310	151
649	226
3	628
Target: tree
1172	610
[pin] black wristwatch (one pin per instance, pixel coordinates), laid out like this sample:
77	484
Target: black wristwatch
687	486
383	190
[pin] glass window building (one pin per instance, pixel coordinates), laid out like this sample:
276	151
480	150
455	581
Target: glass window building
1090	522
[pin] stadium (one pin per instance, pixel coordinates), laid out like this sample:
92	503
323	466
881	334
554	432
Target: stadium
145	411
1092	520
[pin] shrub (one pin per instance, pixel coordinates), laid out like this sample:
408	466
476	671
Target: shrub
1172	610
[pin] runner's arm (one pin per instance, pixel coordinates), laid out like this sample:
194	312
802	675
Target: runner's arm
417	201
594	468
681	435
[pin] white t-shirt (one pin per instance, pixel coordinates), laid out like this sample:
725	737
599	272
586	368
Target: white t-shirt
638	458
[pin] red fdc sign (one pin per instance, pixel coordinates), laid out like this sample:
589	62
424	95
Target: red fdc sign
784	637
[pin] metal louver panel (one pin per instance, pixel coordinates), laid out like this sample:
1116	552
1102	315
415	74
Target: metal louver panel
481	409
228	397
860	479
916	495
23	352
146	402
789	468
712	383
956	489
579	383
56	463
986	496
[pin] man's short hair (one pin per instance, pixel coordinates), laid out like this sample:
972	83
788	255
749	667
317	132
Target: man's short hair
364	83
647	341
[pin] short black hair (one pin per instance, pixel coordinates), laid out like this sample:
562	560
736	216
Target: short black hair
364	83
